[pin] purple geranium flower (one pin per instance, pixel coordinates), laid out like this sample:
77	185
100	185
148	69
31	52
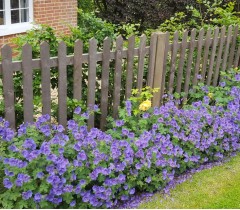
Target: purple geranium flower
27	195
7	184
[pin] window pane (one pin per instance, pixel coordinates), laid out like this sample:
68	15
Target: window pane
15	16
24	15
24	3
1	4
14	4
1	18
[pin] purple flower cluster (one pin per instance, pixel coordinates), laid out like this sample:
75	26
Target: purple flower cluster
92	168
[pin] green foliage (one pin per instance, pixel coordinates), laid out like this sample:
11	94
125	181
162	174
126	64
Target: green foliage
86	5
205	15
89	26
35	37
218	95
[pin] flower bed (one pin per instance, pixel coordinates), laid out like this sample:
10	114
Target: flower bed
48	167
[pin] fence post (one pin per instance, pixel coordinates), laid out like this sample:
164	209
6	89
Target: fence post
160	66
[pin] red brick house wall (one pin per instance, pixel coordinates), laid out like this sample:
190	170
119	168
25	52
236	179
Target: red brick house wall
59	14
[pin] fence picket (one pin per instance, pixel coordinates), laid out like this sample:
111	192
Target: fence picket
105	82
206	54
45	77
237	56
167	46
92	72
27	83
181	61
8	86
233	47
117	76
199	56
226	50
190	60
175	49
219	56
213	55
62	84
77	72
130	63
141	58
152	57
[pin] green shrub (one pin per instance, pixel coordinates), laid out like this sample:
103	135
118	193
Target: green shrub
219	95
215	14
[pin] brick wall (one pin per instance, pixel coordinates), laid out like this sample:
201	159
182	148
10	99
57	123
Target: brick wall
59	14
56	13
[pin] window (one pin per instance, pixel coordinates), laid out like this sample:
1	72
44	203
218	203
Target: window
15	16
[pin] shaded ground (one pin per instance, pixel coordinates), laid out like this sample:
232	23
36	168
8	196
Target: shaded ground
218	187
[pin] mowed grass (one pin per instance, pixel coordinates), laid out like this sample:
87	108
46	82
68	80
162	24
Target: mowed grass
218	187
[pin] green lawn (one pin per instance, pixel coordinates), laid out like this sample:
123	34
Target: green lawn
218	187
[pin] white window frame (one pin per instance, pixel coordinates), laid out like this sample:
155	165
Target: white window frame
15	28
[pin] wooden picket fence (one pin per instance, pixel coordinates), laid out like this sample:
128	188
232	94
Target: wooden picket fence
172	66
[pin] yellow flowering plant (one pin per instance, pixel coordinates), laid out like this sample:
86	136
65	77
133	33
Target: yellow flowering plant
146	105
137	113
141	99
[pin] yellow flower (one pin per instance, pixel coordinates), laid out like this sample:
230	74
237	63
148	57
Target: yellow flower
144	106
210	95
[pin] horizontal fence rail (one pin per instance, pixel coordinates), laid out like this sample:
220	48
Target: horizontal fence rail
172	64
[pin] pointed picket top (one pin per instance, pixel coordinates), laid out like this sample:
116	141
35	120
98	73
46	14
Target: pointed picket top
26	45
131	42
143	39
78	41
26	48
236	28
62	45
131	38
185	34
78	47
223	28
193	36
193	32
119	42
93	42
176	36
201	33
44	47
78	44
209	33
216	31
230	28
143	36
5	46
107	43
119	37
44	44
6	51
27	52
107	39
